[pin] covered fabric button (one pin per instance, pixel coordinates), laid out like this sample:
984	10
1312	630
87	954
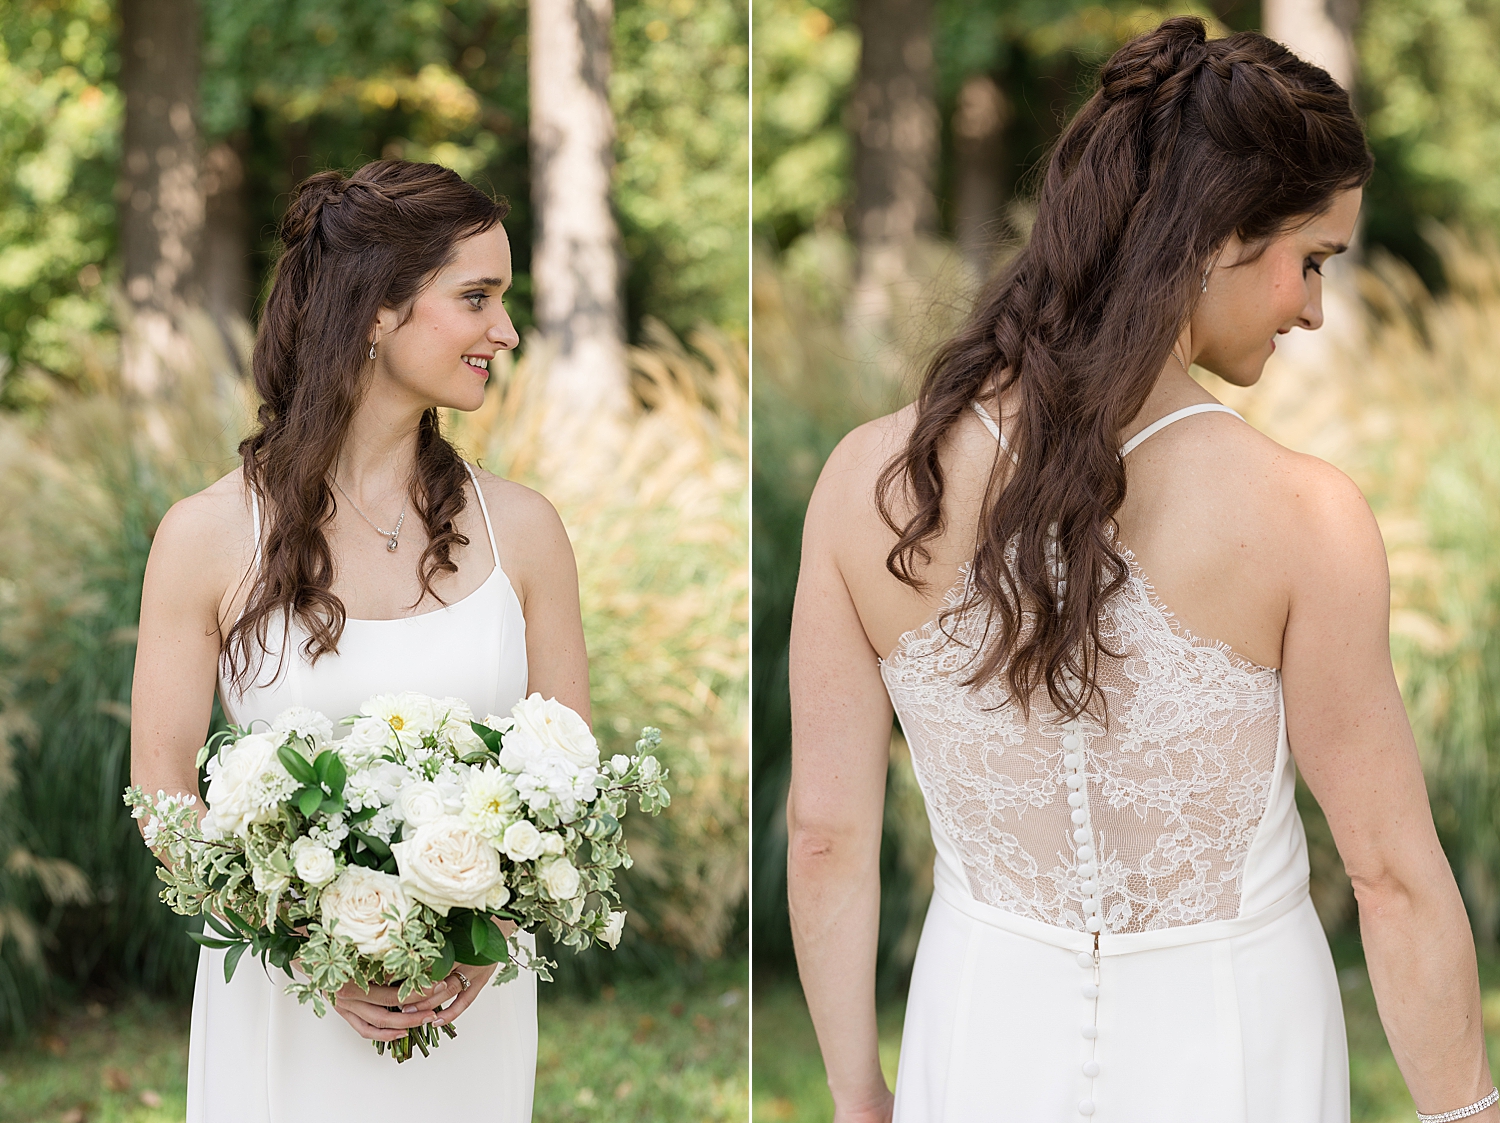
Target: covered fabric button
1086	854
1086	1107
1090	906
1087	869
1070	761
1092	924
1085	959
1089	886
1081	835
1090	1032
1072	741
1080	816
1089	990
1091	1068
1075	782
1075	799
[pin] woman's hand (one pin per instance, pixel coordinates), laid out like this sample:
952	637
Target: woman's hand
380	1015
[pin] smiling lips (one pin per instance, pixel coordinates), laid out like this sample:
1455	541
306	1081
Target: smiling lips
478	362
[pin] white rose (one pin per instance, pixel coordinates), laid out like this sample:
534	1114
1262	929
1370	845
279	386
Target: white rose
613	930
304	723
421	803
521	842
355	905
446	865
552	843
246	785
556	729
314	864
499	893
367	740
559	879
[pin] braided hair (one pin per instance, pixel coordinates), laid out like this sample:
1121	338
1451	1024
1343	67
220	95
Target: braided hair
351	246
1186	142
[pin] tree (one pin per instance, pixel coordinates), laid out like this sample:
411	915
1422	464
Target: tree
979	122
893	118
575	264
161	196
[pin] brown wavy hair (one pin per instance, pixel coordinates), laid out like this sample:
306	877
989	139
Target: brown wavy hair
1185	142
351	246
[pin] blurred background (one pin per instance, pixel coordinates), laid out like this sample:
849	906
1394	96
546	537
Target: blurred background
897	149
147	151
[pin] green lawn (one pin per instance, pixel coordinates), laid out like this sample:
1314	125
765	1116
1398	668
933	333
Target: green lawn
657	1050
790	1087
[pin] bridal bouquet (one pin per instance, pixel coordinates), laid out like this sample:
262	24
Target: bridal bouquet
388	855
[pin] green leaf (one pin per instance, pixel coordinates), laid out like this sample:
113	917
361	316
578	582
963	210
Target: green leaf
489	736
498	948
309	800
479	929
378	848
363	816
332	805
295	763
445	961
219	926
336	775
232	960
210	942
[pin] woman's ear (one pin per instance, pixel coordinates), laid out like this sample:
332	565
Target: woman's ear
387	320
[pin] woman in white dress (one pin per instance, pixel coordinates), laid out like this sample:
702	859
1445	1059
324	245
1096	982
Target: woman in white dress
1023	563
355	553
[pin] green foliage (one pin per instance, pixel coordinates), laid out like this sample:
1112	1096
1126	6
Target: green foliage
678	89
59	140
1432	105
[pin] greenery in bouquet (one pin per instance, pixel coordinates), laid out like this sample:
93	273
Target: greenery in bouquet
390	854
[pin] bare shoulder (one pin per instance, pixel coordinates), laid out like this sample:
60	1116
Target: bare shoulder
205	541
1329	520
852	469
519	512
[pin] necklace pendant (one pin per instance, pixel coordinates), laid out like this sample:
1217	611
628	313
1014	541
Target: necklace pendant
391	545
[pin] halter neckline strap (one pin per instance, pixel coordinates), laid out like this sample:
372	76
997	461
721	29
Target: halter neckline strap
1129	446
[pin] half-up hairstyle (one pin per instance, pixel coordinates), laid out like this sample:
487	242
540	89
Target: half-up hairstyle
351	246
1185	142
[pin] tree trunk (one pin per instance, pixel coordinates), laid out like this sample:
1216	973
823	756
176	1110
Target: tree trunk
894	121
161	197
228	292
979	169
576	257
1320	31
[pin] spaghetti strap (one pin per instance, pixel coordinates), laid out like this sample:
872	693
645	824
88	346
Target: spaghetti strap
484	507
989	423
255	523
1157	426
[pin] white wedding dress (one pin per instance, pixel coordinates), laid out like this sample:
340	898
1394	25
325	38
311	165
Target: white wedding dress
256	1055
1210	993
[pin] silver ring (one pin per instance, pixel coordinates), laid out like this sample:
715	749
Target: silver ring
464	979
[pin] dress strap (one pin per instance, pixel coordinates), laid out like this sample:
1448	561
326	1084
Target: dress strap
1157	426
484	507
255	523
989	423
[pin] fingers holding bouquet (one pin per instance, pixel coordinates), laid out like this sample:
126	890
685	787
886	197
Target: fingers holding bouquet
399	865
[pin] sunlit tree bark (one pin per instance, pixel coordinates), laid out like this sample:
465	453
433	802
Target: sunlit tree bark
979	122
575	268
161	195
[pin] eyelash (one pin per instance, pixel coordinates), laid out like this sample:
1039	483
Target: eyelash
479	296
1313	265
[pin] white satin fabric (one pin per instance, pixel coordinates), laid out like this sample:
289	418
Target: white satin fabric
257	1055
1210	993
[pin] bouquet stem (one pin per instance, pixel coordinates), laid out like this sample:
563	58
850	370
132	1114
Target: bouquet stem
423	1037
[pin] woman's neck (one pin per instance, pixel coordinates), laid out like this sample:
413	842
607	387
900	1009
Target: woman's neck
379	451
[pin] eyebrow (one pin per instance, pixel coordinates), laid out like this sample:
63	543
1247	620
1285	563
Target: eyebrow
1330	247
481	282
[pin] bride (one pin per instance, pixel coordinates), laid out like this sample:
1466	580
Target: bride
1023	563
355	553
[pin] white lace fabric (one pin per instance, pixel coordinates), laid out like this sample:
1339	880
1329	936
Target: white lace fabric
1177	777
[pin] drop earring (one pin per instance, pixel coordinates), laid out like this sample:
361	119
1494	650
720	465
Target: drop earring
372	350
1204	289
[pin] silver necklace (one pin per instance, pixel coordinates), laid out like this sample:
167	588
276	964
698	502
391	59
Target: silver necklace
393	535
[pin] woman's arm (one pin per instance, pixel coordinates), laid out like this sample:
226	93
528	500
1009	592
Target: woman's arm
1349	732
177	651
538	558
841	731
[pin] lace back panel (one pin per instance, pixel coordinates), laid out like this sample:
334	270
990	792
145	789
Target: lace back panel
1176	784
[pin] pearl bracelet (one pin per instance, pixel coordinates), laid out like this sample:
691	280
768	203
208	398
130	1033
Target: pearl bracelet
1464	1112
